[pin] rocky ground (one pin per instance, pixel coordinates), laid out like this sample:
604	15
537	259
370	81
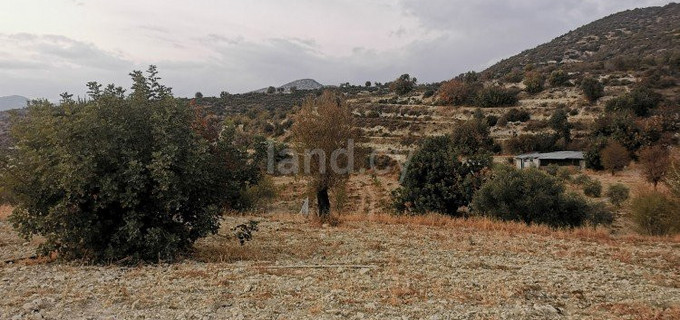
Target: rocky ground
360	269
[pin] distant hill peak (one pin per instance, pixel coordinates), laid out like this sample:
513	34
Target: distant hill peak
12	102
301	84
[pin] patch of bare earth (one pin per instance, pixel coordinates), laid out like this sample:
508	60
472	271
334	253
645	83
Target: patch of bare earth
378	267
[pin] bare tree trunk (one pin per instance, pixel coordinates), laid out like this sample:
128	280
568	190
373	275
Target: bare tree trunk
323	202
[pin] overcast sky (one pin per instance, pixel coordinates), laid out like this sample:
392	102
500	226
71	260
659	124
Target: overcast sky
52	46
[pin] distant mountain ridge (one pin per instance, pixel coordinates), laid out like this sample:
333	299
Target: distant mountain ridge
301	84
12	102
631	35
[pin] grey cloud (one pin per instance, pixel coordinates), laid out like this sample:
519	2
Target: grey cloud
42	66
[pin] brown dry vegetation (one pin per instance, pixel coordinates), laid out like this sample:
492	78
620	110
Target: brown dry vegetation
371	265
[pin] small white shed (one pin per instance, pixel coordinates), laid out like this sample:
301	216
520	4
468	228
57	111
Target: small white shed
561	158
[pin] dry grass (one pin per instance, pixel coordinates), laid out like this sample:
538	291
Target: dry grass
5	211
642	311
599	234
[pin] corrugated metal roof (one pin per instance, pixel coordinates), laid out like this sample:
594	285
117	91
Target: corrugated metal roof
558	155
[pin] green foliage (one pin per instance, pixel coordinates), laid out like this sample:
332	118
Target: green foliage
530	196
517	115
514	76
472	137
495	96
428	93
655	213
640	100
618	194
592	88
560	123
582	179
564	173
551	169
436	179
525	143
558	78
534	81
120	177
624	128
598	213
593	188
259	195
403	85
491	120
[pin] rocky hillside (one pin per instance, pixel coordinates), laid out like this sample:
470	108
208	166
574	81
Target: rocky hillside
617	42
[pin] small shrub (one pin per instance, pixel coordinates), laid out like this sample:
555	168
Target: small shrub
491	120
614	157
656	214
592	89
599	214
582	180
558	78
551	169
618	194
565	173
495	96
533	81
516	115
593	188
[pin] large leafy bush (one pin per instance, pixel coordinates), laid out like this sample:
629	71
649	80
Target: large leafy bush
532	196
121	177
436	179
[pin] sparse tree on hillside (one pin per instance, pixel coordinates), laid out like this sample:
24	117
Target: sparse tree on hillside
560	123
224	94
368	84
458	92
534	82
198	95
655	161
640	100
558	78
324	132
404	84
614	157
271	90
592	88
